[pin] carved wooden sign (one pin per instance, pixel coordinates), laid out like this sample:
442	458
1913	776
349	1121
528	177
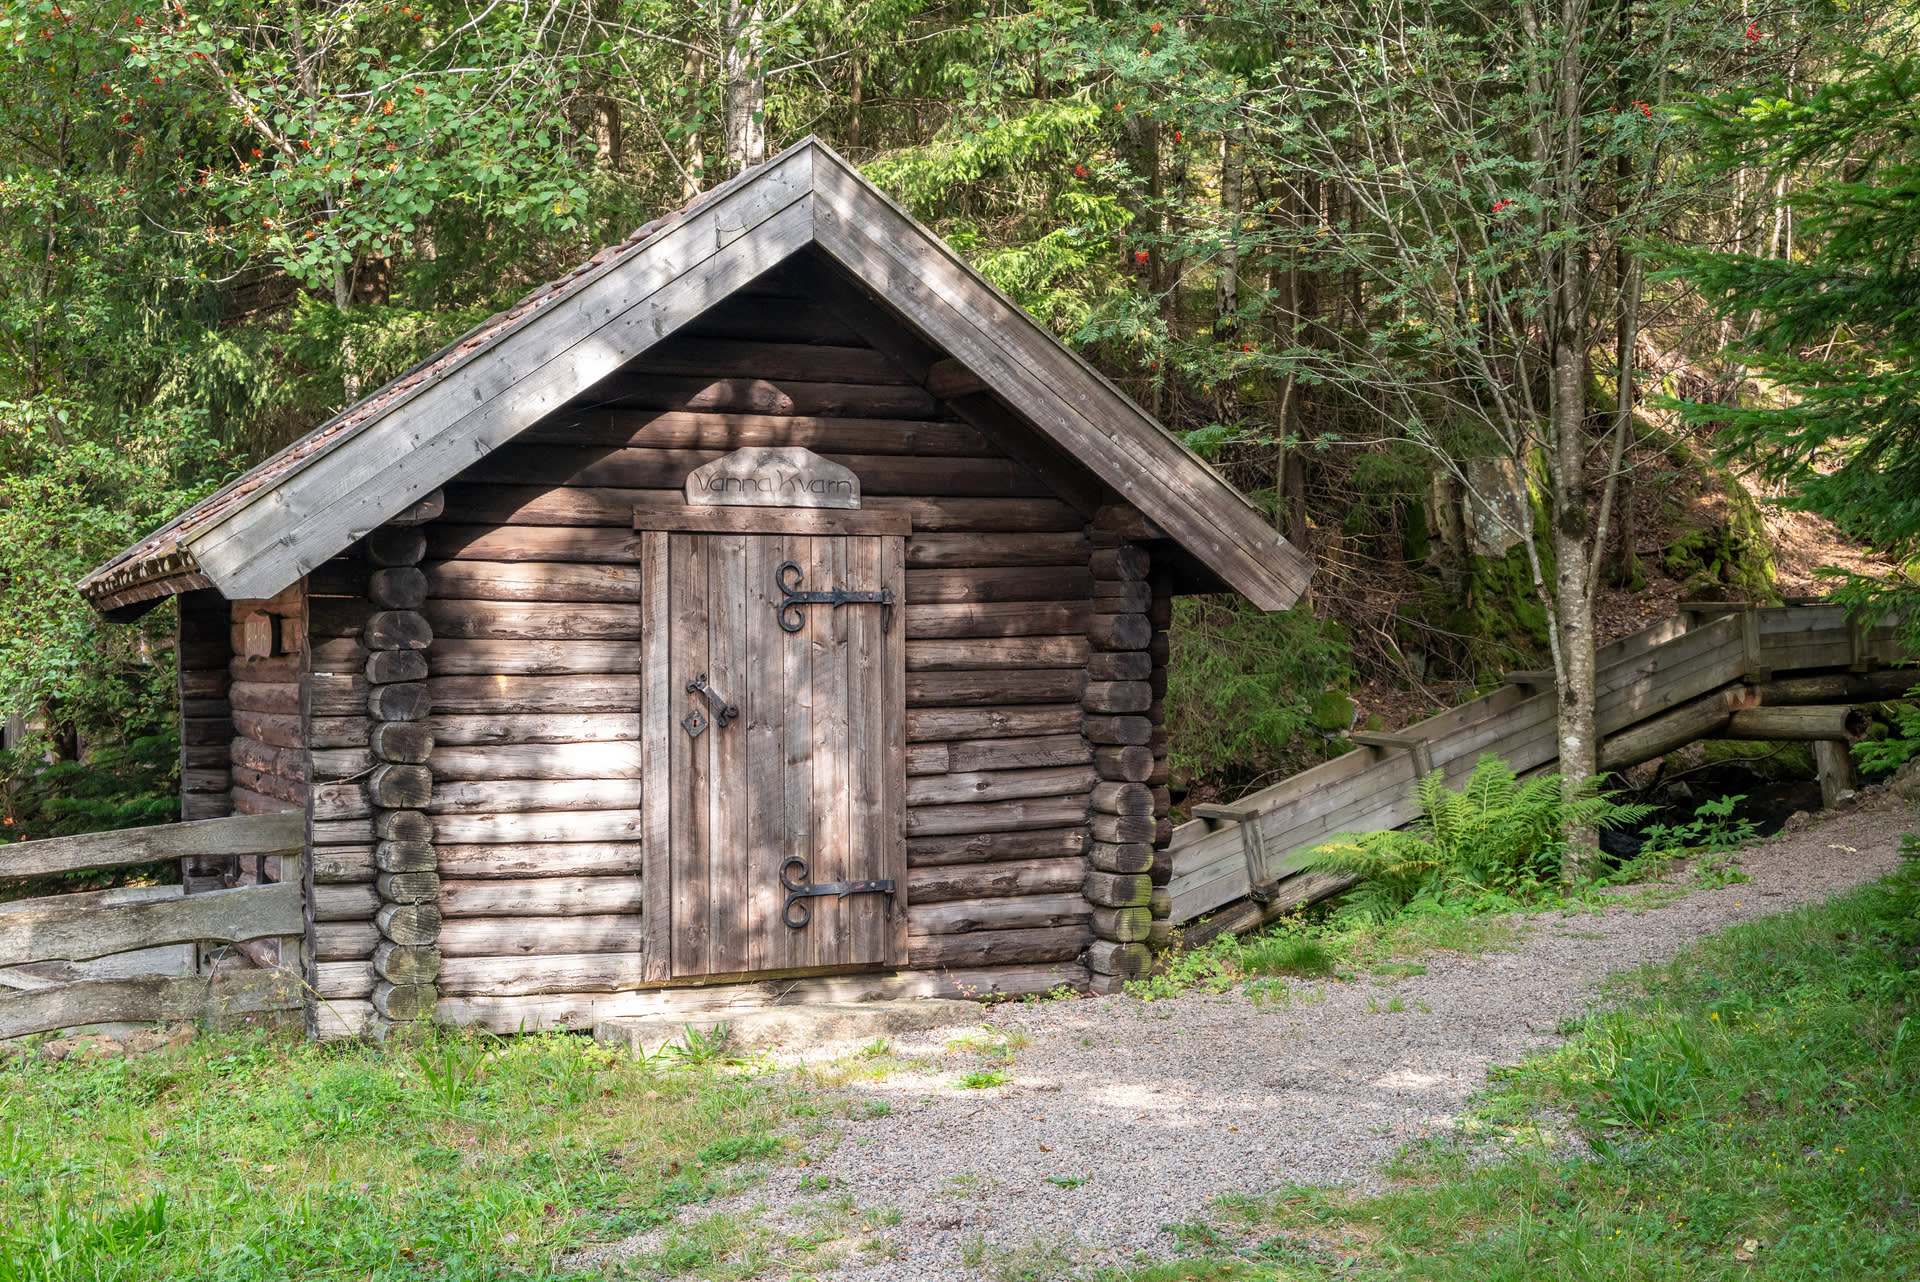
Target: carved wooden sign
783	476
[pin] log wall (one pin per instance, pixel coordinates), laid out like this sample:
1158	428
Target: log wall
206	717
534	669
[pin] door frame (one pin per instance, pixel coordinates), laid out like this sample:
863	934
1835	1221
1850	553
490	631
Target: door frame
656	684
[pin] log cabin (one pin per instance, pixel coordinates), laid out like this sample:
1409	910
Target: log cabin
768	599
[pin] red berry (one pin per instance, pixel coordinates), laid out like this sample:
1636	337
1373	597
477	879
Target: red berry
1139	255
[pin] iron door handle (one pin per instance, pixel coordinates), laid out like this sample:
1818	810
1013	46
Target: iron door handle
723	712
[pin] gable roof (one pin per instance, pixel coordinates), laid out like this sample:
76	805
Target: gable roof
371	462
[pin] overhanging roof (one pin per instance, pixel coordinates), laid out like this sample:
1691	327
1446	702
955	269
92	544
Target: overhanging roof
313	499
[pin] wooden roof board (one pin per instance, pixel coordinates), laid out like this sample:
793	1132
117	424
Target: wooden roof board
315	498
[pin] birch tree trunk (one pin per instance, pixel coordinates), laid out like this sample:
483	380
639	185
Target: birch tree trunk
744	65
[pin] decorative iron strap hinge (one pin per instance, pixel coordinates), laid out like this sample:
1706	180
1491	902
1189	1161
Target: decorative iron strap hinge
799	890
794	599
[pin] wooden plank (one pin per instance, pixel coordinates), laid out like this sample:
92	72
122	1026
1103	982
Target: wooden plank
545	896
939	515
998	947
692	430
690	779
763	725
996	816
820	521
953	551
1026	912
612	544
538	621
997	847
538	936
892	738
656	724
997	619
494	977
733	358
148	998
620	760
946	883
538	827
766	396
791	948
1005	583
58	932
508	796
729	854
511	695
829	931
937	655
643	468
452	731
999	785
474	580
543	359
534	860
994	687
867	760
929	725
277	834
457	657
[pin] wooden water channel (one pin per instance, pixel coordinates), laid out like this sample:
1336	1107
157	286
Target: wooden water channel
1698	675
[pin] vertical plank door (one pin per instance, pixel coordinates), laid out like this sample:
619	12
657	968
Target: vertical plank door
812	767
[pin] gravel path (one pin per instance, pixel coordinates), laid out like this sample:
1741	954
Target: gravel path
1120	1117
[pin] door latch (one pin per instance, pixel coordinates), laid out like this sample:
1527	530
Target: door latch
723	711
799	890
791	607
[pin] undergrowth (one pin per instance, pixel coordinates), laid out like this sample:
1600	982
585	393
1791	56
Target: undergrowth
1750	1109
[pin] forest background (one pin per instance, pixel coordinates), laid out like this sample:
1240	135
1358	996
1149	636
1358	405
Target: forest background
1385	262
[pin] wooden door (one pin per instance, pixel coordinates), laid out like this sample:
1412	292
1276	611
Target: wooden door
807	778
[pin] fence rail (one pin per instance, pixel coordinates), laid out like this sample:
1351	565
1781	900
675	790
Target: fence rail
78	928
1642	677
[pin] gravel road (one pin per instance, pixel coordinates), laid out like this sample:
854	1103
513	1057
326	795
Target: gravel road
1119	1117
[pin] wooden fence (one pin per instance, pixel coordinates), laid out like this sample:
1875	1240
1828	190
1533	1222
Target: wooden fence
1654	678
38	994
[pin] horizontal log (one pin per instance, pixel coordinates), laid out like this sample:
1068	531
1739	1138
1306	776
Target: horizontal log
925	725
558	860
406	742
461	657
281	670
504	695
1804	724
409	887
1127	800
200	732
758	395
397	630
403	825
1029	912
336	694
1838	687
955	551
214	780
964	689
334	802
329	617
355	901
778	362
577	544
544	896
251	696
338	732
536	936
281	834
1673	729
341	1018
400	587
344	940
343	832
69	928
945	883
683	430
534	621
996	619
996	816
535	581
1108	631
1116	731
494	728
248	802
403	1003
337	654
339	865
1120	665
505	796
1009	583
609	972
1120	563
409	924
643	468
1018	754
620	760
394	545
999	785
1291	894
407	701
1110	697
538	827
1131	763
1117	890
402	964
275	731
927	759
400	787
997	947
1126	961
1127	857
1121	598
334	764
337	980
981	653
404	855
991	847
210	684
147	999
1122	925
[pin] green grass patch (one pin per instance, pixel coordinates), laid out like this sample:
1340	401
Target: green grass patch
1749	1110
255	1155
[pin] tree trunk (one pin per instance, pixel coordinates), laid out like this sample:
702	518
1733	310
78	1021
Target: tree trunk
1226	301
696	169
606	133
743	60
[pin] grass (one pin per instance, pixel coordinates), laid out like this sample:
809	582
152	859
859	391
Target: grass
254	1155
1749	1110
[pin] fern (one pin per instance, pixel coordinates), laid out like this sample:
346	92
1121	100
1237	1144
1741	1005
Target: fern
1498	837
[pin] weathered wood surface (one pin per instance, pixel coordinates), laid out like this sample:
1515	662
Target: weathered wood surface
1656	691
53	930
276	834
143	999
